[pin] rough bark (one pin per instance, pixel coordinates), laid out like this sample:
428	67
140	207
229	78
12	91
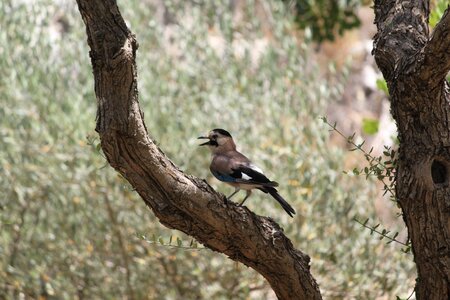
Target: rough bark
180	201
414	66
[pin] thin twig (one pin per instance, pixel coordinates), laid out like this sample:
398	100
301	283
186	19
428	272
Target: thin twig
367	155
373	229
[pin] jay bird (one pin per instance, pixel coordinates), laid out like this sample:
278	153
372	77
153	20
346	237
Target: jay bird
232	167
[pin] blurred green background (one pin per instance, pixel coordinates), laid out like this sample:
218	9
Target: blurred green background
70	227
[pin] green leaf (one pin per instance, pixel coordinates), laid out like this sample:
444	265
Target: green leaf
437	12
382	86
370	126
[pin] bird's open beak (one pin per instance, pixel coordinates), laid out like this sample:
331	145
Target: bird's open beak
206	143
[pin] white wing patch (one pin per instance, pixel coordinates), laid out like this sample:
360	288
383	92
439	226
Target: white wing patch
245	176
252	175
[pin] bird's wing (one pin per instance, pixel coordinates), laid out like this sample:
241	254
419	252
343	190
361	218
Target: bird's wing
235	167
226	177
251	174
221	168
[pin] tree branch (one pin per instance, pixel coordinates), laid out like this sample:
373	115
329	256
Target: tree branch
179	201
402	32
436	63
414	68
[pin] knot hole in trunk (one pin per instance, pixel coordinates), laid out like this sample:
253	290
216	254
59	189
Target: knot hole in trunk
439	172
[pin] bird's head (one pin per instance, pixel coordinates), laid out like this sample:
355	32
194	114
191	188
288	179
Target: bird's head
218	140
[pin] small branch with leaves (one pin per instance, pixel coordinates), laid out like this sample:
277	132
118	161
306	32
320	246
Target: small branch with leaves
385	234
382	167
179	243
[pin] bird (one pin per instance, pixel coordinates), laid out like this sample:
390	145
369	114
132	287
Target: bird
232	167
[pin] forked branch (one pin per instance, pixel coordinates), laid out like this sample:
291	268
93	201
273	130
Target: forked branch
436	63
179	201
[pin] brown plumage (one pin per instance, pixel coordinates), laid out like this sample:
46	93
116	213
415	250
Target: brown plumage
232	167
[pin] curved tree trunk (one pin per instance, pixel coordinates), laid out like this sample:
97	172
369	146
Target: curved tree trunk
179	201
415	66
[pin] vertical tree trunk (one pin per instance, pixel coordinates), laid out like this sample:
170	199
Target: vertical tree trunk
415	67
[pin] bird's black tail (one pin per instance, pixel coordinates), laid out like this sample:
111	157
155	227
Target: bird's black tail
274	193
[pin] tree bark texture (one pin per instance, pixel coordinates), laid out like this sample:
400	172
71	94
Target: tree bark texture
180	201
415	64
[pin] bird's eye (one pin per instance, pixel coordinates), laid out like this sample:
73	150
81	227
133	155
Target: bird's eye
214	136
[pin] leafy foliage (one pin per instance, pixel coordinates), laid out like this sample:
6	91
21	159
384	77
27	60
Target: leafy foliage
383	168
370	126
69	224
436	13
384	233
382	86
326	19
171	243
380	167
